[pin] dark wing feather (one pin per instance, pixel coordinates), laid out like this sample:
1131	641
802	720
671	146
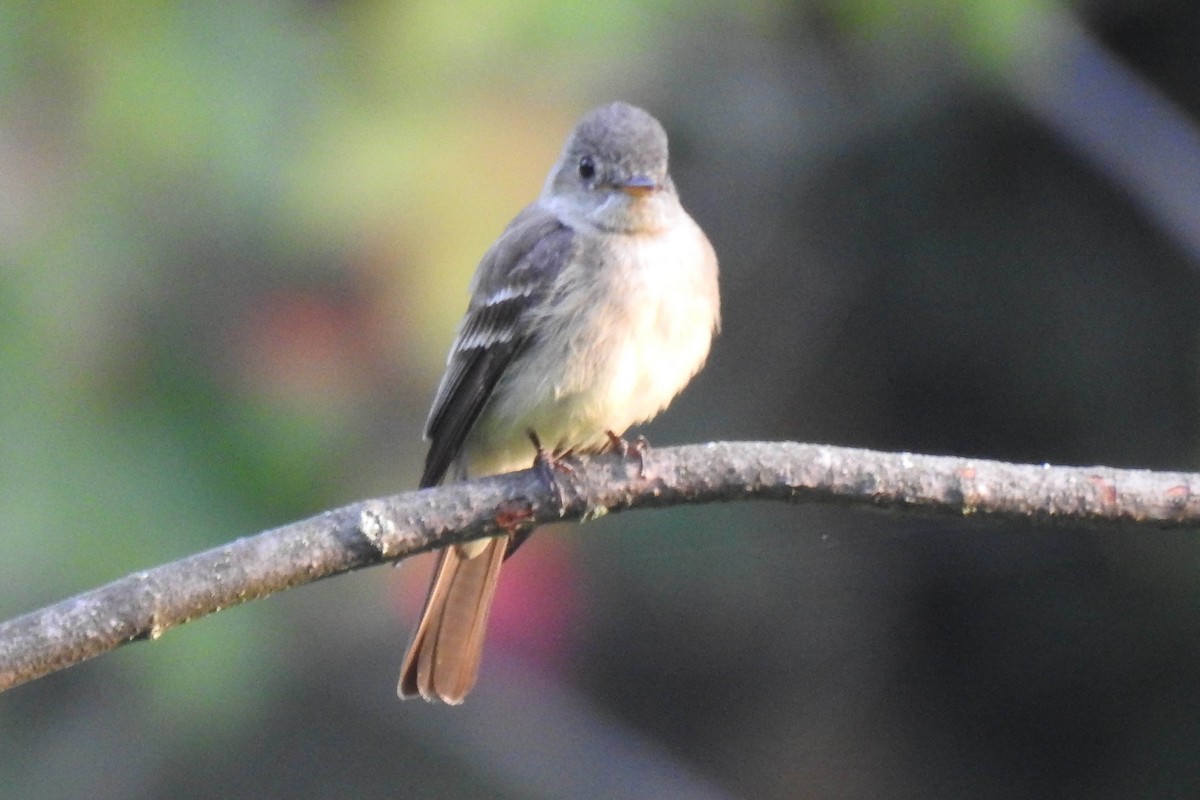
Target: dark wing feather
513	277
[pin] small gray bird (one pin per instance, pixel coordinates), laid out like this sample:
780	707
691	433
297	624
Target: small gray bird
592	310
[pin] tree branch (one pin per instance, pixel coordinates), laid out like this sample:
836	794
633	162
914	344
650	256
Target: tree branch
146	604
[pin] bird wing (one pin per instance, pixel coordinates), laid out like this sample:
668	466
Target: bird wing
515	276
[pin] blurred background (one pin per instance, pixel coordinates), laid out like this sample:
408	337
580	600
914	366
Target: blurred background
234	243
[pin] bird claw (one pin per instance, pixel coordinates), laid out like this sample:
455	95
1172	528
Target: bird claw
625	448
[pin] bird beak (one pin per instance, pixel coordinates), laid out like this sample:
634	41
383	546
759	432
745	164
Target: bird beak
638	186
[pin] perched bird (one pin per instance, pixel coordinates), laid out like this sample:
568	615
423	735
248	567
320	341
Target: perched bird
594	308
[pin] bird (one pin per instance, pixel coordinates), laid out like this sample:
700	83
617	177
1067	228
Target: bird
594	308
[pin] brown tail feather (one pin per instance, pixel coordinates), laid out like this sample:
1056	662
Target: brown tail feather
443	660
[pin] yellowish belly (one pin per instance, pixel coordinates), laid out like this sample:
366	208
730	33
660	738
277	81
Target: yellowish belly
608	358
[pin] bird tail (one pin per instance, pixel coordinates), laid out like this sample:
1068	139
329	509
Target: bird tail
442	662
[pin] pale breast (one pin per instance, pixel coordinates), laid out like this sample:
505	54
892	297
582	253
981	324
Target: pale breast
667	307
624	338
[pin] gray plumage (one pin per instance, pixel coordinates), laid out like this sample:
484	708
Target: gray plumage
592	310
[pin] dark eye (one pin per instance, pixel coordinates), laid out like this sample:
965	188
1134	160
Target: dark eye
587	168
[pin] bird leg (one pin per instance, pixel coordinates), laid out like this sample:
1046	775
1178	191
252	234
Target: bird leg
548	464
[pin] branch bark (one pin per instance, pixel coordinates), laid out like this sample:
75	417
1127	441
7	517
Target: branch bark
146	604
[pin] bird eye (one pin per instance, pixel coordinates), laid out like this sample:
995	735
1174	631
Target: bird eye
587	168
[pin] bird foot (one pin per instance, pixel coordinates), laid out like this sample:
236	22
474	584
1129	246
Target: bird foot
548	465
627	449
